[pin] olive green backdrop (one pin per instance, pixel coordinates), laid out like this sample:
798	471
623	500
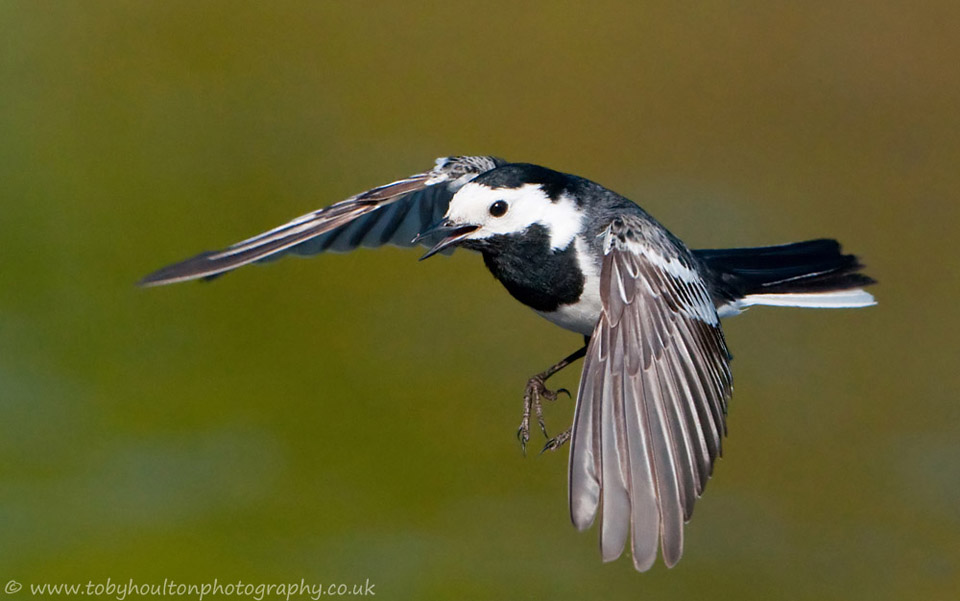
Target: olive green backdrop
353	416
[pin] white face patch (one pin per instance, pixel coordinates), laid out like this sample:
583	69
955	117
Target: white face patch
526	205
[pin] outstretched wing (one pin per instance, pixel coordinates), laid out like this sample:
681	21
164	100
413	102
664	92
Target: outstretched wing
389	214
652	399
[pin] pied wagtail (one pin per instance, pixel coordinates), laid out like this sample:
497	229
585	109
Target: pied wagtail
651	407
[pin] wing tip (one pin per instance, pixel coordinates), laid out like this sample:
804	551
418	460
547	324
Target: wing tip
159	278
155	280
672	558
194	268
645	562
149	282
583	514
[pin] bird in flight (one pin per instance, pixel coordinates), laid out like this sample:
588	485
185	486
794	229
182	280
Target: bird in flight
652	401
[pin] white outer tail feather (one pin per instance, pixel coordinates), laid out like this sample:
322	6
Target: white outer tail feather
838	299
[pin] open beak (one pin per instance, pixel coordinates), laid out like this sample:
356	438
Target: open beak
451	232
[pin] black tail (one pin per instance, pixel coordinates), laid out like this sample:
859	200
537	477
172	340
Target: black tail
802	268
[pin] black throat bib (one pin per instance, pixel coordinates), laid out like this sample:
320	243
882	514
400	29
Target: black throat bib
532	272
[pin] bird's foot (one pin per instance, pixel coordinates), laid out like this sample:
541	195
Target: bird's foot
557	441
535	391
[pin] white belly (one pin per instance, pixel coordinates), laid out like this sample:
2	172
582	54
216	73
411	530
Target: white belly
580	317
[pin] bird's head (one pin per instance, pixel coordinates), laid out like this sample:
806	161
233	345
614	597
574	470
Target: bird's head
505	203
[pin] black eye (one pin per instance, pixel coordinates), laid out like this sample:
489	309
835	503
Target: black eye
499	208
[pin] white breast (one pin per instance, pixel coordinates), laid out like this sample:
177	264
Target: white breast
581	316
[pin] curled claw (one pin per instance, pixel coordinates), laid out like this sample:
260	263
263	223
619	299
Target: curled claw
523	435
557	441
542	392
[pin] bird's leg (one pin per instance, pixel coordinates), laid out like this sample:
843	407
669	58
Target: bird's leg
537	390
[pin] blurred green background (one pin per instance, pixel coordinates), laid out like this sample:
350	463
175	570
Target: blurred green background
353	416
